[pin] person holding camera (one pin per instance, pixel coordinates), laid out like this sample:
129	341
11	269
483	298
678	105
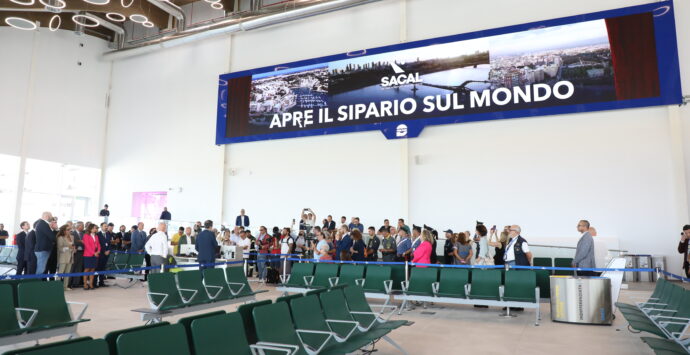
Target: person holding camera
683	248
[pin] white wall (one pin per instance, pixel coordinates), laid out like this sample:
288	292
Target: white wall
161	130
51	108
624	170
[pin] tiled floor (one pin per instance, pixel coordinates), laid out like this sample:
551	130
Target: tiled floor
441	329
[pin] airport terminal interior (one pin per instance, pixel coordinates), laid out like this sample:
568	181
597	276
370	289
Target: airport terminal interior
264	177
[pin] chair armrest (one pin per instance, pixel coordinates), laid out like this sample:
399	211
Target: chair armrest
641	304
537	293
308	279
468	289
215	295
20	319
405	285
289	349
153	304
307	346
662	310
332	282
388	286
194	292
434	287
367	327
359	282
657	317
338	338
235	293
284	279
501	291
83	310
384	306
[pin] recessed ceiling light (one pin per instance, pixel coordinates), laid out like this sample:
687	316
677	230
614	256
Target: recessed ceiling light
20	23
97	2
217	5
138	18
84	20
59	4
52	26
212	1
114	16
122	2
25	2
147	24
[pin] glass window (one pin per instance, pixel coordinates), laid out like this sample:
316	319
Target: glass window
9	174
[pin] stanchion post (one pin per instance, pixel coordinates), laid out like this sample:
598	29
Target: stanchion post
407	271
284	267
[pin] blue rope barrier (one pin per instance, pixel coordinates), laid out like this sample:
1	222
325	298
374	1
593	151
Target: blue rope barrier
675	276
109	272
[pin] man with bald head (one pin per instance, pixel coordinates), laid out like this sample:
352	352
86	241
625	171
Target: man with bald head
45	241
157	246
517	251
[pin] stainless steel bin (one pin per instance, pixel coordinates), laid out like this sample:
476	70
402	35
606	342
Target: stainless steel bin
645	262
631	263
584	300
658	261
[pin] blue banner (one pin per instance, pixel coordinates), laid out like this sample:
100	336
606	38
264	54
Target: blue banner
615	59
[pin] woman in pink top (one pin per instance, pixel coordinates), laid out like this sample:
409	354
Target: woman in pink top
422	254
92	248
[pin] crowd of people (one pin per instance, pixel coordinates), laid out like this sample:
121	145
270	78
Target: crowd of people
46	248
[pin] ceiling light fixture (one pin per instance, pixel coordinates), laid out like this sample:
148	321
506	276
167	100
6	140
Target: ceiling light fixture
217	5
116	17
78	20
122	2
25	3
52	20
58	4
138	18
20	23
147	24
97	2
212	1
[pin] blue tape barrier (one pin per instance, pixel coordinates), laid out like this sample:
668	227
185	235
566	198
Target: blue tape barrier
110	272
675	276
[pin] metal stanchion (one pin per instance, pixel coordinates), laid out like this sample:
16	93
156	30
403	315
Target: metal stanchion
284	268
407	271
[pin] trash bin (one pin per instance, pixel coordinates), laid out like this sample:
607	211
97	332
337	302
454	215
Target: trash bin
631	263
659	261
645	262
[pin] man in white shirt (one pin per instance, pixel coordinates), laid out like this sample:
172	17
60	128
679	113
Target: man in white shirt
321	241
157	246
235	235
244	243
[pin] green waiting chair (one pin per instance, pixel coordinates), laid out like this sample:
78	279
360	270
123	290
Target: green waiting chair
452	283
5	254
135	261
326	275
215	279
191	281
111	337
245	312
378	280
168	339
421	281
665	346
288	298
83	345
237	281
163	294
307	315
219	333
547	262
298	275
563	262
485	285
350	273
661	284
48	298
362	311
398	276
544	283
265	320
119	261
521	286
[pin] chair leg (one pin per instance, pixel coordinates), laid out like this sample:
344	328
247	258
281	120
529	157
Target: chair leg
402	306
507	314
395	345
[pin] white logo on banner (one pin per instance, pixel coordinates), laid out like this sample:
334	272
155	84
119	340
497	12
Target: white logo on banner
401	130
400	78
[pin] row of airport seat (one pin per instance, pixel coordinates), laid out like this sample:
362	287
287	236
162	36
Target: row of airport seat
326	321
665	314
555	262
32	310
186	291
495	287
8	259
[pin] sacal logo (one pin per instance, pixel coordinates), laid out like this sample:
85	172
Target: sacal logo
401	78
401	130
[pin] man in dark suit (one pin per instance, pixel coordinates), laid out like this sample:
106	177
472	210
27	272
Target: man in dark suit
29	253
584	255
242	220
683	249
45	241
104	239
206	246
165	215
78	264
330	223
20	240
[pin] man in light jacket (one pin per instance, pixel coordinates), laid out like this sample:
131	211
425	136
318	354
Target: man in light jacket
584	255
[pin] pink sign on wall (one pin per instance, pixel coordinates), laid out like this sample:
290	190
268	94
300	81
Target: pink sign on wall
148	205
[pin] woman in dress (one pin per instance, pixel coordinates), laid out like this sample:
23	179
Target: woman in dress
422	255
65	250
92	249
358	246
